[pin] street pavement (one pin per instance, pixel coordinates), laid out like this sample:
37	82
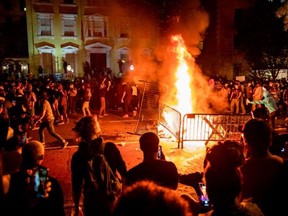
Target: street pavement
120	131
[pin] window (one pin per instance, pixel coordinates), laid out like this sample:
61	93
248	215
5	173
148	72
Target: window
68	25
95	26
124	30
69	1
45	24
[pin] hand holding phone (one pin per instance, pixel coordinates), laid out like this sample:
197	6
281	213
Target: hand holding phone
160	154
204	199
41	185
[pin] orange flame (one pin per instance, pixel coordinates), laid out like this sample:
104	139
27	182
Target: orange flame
183	77
182	100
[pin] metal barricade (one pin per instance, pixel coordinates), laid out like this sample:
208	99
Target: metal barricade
212	127
148	109
170	119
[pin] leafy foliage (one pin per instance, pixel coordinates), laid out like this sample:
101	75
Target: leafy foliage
263	39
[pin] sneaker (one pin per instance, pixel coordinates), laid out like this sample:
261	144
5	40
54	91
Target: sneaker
64	144
60	123
101	116
125	116
105	114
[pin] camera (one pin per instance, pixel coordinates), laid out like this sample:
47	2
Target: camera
204	199
41	177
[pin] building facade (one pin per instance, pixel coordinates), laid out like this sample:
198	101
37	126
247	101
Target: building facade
77	33
220	55
88	36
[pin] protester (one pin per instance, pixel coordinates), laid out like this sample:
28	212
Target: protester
151	168
223	180
236	93
31	99
270	104
87	94
263	172
4	125
146	198
72	98
88	129
104	88
46	118
63	103
126	98
257	95
24	191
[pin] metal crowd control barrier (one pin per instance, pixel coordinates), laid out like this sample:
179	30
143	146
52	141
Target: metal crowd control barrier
212	127
170	119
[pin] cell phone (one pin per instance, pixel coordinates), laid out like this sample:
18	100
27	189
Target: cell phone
204	199
159	154
41	177
22	139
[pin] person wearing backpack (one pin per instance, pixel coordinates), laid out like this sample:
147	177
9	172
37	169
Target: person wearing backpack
93	169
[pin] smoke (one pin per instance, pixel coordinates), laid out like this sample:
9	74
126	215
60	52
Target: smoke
151	48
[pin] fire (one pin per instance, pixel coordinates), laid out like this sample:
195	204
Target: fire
182	100
183	77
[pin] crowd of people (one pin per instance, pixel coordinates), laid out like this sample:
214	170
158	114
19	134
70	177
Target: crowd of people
241	179
45	102
245	179
264	99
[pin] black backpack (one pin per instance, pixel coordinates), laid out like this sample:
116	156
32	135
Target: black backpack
101	179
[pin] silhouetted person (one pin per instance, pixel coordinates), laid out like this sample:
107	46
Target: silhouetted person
262	172
94	202
26	193
146	198
151	168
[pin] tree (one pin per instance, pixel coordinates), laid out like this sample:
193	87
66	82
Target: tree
262	38
282	13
